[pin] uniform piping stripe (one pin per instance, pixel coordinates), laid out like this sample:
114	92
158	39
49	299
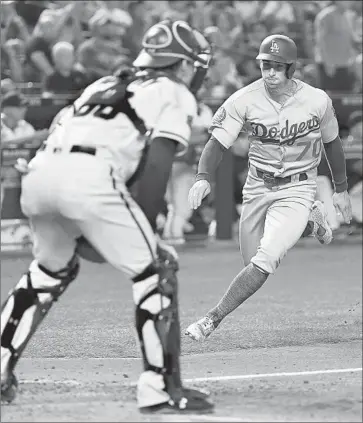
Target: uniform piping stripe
138	224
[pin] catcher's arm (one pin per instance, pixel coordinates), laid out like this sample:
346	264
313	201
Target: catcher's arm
152	183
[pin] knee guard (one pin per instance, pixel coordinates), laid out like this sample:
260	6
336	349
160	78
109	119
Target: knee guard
157	320
27	305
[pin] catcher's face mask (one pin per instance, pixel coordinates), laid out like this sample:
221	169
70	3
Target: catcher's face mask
168	42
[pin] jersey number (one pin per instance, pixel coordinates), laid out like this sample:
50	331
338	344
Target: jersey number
100	110
316	149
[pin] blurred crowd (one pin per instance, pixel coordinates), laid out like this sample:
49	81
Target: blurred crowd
56	48
63	45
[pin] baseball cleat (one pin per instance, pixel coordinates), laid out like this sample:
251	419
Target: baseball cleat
200	330
9	388
191	403
196	393
320	226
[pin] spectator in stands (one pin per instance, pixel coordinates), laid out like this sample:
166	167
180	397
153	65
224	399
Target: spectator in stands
278	12
256	31
307	36
179	10
7	85
103	53
66	78
248	68
39	50
30	11
52	26
335	50
84	12
13	26
223	77
310	74
141	21
12	60
248	10
14	35
13	125
225	17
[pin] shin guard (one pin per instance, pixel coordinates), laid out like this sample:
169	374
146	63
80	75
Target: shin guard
158	328
26	307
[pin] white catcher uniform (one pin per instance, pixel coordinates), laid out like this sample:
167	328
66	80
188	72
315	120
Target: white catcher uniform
77	187
68	194
285	142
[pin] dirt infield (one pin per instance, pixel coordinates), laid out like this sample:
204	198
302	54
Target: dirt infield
293	352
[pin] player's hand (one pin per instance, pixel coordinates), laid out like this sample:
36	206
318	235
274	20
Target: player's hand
341	201
22	166
197	192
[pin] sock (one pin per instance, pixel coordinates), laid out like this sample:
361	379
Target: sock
246	283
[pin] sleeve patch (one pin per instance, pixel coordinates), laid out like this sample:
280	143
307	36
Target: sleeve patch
219	116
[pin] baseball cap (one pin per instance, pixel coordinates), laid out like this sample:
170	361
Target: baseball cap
14	99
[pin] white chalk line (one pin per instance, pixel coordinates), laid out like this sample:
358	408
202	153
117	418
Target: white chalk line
267	375
73	382
202	418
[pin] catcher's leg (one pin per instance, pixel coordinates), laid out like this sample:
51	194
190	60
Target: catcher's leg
157	324
23	311
53	268
124	237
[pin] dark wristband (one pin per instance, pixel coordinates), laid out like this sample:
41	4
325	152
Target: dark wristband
341	186
203	176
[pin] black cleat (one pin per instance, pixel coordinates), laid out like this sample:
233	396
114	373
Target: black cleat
196	393
9	388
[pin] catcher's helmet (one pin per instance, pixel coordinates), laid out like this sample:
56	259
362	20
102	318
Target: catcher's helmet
167	42
279	48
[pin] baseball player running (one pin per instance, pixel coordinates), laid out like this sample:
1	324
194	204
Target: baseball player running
77	187
288	123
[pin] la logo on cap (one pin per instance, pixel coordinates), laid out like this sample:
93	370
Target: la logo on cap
274	47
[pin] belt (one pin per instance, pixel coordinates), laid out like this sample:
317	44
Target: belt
76	149
270	179
83	149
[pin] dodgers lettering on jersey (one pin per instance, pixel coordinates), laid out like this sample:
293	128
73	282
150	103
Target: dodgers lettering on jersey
166	107
284	139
